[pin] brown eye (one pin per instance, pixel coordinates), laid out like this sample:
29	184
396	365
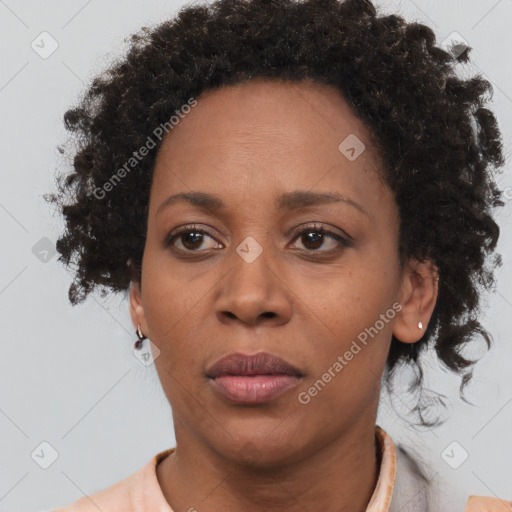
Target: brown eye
312	239
190	238
315	237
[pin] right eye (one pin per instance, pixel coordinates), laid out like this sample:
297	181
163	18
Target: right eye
191	238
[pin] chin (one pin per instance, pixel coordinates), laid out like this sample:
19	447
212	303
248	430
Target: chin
260	452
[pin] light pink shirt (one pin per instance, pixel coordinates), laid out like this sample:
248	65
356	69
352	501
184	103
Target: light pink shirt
141	492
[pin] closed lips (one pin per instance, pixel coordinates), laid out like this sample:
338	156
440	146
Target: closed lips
261	363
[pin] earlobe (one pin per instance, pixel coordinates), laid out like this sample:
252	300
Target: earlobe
419	295
136	307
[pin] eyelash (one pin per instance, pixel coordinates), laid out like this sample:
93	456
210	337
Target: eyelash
344	242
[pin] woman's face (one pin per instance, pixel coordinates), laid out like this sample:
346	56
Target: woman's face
263	279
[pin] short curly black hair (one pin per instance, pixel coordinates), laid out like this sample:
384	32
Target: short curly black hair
439	144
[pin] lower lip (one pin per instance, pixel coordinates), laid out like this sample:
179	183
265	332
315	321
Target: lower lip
254	389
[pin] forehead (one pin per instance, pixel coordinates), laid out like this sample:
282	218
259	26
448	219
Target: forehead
261	108
265	135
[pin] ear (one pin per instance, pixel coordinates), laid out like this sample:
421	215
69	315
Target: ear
136	307
418	298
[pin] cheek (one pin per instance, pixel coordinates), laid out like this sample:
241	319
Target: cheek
355	312
351	299
356	316
168	296
169	307
176	304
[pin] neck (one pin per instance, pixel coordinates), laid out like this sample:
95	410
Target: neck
339	477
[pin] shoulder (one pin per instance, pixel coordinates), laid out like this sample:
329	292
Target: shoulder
414	490
118	496
487	504
123	495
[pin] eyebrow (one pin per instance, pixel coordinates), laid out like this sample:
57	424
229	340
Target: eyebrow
286	201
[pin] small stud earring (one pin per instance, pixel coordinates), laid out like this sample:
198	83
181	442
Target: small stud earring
138	343
420	325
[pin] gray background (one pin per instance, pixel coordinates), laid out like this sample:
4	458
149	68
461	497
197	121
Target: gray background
68	376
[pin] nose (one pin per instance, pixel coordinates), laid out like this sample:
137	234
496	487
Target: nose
254	293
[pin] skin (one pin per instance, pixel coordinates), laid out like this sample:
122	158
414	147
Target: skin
301	300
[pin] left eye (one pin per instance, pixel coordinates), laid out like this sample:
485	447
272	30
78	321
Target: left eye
314	237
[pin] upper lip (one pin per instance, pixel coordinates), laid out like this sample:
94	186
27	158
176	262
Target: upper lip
261	363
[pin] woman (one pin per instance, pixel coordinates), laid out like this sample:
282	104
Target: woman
299	198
